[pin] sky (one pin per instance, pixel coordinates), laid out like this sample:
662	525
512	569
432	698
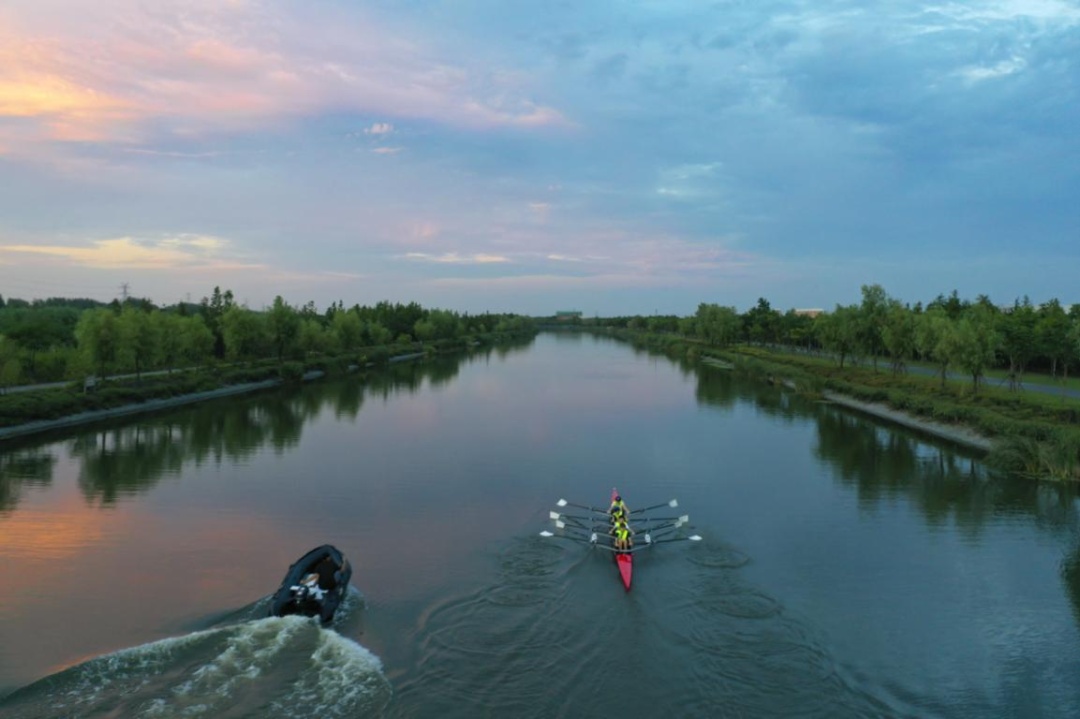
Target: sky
484	155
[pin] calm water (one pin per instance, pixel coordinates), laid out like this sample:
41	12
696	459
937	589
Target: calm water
847	569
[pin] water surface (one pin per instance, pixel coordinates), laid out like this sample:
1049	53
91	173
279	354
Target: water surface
848	569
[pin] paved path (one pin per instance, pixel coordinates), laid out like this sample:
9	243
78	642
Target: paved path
1028	386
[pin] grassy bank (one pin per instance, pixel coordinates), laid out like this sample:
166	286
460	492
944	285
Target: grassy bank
1033	434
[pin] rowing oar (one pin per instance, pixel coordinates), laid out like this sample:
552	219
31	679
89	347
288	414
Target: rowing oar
577	522
571	537
564	503
691	538
578	517
680	521
672	503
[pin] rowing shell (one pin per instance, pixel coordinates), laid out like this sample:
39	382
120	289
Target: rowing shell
624	559
587	528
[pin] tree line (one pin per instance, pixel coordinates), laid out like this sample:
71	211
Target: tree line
953	334
56	339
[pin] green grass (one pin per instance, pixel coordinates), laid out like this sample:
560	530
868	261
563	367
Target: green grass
1035	434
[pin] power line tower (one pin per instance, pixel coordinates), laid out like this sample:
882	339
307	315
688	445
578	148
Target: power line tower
124	292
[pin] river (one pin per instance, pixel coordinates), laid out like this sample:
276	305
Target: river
847	569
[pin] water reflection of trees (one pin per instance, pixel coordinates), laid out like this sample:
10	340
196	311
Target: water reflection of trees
126	459
23	468
882	464
723	388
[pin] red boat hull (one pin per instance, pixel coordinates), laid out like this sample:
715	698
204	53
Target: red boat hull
623	560
626	567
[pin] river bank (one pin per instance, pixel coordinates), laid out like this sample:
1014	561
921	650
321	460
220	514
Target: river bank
963	436
150	405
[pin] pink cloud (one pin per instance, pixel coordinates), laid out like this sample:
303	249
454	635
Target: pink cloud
111	70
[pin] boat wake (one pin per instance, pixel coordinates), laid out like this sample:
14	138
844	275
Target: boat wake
548	637
272	667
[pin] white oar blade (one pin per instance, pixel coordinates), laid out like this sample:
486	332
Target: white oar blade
694	537
561	503
684	519
546	533
673	503
554	515
560	525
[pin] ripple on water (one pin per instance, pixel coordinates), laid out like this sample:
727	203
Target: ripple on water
749	659
502	647
718	557
551	637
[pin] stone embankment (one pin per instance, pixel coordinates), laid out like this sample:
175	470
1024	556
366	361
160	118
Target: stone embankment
152	405
964	436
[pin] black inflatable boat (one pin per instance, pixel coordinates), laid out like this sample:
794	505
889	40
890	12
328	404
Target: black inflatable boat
314	586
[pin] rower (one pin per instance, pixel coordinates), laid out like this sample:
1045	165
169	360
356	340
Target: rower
617	514
622	533
618	505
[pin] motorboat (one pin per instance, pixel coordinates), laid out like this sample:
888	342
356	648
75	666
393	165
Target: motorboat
314	586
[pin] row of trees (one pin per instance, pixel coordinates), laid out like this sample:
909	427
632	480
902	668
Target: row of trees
137	336
949	332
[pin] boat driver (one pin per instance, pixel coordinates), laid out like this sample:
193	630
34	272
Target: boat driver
309	588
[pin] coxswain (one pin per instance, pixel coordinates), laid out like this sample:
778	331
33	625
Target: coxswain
619	504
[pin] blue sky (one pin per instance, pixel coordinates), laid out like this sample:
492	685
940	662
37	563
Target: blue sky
613	157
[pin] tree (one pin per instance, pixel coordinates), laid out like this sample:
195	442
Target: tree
898	334
39	328
138	338
98	337
347	329
213	310
953	306
796	329
717	325
377	334
934	338
1074	343
312	337
170	329
244	333
838	331
1017	331
871	320
761	322
975	343
284	325
1052	333
198	345
10	364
